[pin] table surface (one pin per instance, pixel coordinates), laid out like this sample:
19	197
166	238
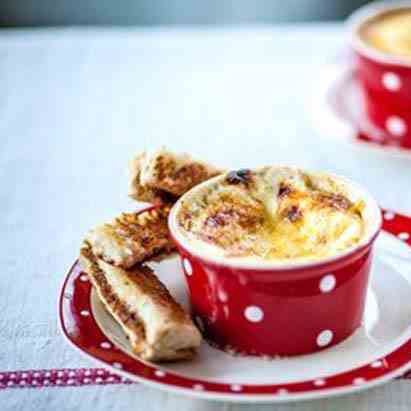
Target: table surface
76	104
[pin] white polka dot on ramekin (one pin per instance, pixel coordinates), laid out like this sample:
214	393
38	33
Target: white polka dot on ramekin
46	382
60	374
358	381
22	383
396	126
188	268
236	387
389	215
86	380
377	364
72	374
391	81
12	376
59	382
100	372
282	391
159	373
70	381
36	374
85	313
99	380
106	345
117	365
403	236
84	278
319	382
327	283
324	338
222	296
253	313
10	383
87	372
198	387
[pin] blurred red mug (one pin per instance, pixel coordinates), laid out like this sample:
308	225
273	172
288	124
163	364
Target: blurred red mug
382	49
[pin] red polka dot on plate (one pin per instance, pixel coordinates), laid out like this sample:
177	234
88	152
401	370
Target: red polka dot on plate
396	126
254	314
188	268
391	81
403	236
327	283
324	338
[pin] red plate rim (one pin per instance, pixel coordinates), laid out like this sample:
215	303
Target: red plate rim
81	330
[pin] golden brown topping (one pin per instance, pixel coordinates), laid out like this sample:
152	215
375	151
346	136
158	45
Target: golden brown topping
293	213
337	201
284	190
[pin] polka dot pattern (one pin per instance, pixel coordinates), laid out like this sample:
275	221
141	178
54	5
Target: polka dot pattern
404	236
389	215
106	345
396	126
391	81
254	314
327	283
188	268
61	378
319	383
236	387
324	338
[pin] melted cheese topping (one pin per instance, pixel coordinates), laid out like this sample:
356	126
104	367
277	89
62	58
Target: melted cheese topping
390	32
274	214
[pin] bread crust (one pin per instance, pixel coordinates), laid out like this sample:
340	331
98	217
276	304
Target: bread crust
156	325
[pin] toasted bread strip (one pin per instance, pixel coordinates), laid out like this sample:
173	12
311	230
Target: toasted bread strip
132	237
163	176
139	192
156	325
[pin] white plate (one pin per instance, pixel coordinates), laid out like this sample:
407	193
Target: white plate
379	351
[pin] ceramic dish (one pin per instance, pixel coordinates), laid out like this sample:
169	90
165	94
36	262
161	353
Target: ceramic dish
266	308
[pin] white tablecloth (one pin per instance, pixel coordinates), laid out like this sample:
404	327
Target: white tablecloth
76	104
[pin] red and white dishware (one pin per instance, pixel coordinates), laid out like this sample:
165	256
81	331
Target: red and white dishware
337	110
385	79
377	352
272	309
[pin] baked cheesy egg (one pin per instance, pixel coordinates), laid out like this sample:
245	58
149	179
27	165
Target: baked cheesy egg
273	213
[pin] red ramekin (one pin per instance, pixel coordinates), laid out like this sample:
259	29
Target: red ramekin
385	79
269	309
